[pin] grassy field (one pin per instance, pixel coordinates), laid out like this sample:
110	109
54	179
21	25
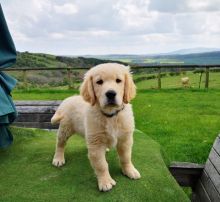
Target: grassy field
170	82
184	121
27	174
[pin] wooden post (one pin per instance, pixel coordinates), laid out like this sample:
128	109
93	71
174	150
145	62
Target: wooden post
200	79
69	78
159	78
24	78
207	77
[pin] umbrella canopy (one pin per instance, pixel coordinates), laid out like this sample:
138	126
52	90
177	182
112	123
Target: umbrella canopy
7	58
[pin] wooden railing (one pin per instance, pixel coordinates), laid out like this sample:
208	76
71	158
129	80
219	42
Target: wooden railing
133	67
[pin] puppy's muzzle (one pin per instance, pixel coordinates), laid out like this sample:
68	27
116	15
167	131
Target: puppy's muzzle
110	95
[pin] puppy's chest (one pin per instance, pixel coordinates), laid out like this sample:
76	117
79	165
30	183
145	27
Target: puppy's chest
113	132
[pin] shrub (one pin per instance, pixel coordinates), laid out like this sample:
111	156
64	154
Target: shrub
196	71
215	70
174	73
163	75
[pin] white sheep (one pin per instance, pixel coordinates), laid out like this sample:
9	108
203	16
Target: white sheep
185	81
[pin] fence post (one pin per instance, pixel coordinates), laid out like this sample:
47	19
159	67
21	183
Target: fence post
200	79
207	77
69	78
24	78
159	78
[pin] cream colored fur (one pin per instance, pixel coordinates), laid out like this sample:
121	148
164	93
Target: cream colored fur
185	81
84	115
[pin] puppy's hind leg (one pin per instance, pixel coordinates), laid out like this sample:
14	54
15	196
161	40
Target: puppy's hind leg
63	134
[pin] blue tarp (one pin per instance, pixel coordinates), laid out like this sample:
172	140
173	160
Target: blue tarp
7	83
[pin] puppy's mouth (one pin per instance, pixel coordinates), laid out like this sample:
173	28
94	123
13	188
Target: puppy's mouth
111	109
111	103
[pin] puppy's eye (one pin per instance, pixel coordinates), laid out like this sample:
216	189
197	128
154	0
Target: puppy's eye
99	82
118	80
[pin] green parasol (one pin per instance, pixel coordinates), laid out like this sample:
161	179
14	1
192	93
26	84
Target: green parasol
7	58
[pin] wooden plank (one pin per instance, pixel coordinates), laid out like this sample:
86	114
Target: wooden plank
200	79
186	174
213	174
27	117
159	78
37	103
207	78
69	78
210	188
36	109
132	66
189	165
43	68
217	144
44	125
215	159
24	78
33	117
201	194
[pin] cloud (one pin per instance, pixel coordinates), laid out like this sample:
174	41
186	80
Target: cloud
184	6
203	5
170	6
114	26
66	9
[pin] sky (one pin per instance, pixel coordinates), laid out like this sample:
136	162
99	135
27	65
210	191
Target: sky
80	27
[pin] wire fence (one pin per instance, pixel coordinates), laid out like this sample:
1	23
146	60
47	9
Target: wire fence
145	77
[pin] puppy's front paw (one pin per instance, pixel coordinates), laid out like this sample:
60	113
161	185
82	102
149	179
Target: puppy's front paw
106	183
58	161
131	172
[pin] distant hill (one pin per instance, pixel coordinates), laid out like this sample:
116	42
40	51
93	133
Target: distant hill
34	60
192	50
193	58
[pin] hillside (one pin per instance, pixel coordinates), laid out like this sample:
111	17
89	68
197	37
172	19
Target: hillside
34	60
26	59
47	77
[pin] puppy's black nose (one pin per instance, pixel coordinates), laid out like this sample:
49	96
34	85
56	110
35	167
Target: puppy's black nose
110	94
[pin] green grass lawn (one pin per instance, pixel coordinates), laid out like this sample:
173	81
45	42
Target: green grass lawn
27	174
43	94
185	121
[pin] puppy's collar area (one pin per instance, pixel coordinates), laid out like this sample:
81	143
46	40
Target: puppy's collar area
113	114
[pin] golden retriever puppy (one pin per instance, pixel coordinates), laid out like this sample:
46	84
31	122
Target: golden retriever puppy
104	116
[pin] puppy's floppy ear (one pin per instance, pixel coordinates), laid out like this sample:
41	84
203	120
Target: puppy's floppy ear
87	90
129	88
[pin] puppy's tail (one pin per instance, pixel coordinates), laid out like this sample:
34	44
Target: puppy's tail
57	117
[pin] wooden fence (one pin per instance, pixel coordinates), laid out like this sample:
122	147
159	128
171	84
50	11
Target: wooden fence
133	67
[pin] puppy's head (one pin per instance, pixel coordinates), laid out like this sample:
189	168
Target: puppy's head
108	85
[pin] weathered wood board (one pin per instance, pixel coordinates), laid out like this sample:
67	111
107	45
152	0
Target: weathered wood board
210	180
204	180
36	114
